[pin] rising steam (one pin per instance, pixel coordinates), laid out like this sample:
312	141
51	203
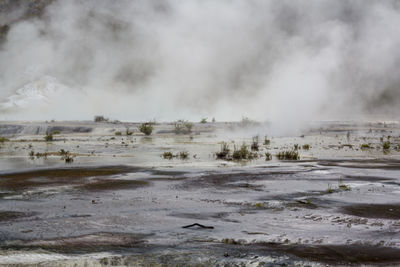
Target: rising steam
137	60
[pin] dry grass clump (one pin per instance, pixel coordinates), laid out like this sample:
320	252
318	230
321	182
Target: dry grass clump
306	146
365	146
288	155
254	145
167	155
180	155
224	153
267	141
48	137
386	145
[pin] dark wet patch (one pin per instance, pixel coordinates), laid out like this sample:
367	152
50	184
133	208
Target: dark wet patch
166	179
12	215
341	254
82	244
169	173
363	164
232	180
222	216
113	184
366	178
379	211
61	176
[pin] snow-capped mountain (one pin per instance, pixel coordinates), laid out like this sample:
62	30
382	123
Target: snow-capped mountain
39	92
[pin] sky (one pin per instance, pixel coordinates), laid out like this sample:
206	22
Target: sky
136	60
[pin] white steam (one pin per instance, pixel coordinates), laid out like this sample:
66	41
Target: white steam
288	61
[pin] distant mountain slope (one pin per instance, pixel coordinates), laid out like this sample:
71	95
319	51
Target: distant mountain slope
36	93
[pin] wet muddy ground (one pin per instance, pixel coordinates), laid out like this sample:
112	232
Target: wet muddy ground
119	202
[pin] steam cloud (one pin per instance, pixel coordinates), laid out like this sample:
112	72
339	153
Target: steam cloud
279	60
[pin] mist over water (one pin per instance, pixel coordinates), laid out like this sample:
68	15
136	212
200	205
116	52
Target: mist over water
287	61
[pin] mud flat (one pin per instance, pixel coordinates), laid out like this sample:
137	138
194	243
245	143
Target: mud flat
120	202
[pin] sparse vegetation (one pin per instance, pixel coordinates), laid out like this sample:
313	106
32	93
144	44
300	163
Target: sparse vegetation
344	187
268	156
68	159
183	155
296	147
254	144
365	146
100	119
146	128
306	146
224	153
330	189
241	153
259	205
183	127
246	122
203	120
128	132
41	155
168	155
118	133
386	145
48	137
180	155
267	142
62	152
288	155
3	139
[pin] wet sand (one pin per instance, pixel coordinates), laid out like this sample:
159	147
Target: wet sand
120	202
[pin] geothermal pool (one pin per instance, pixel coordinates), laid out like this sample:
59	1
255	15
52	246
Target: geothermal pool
120	202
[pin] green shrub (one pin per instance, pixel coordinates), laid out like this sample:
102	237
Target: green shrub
306	147
3	139
268	156
146	128
118	133
296	147
203	120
